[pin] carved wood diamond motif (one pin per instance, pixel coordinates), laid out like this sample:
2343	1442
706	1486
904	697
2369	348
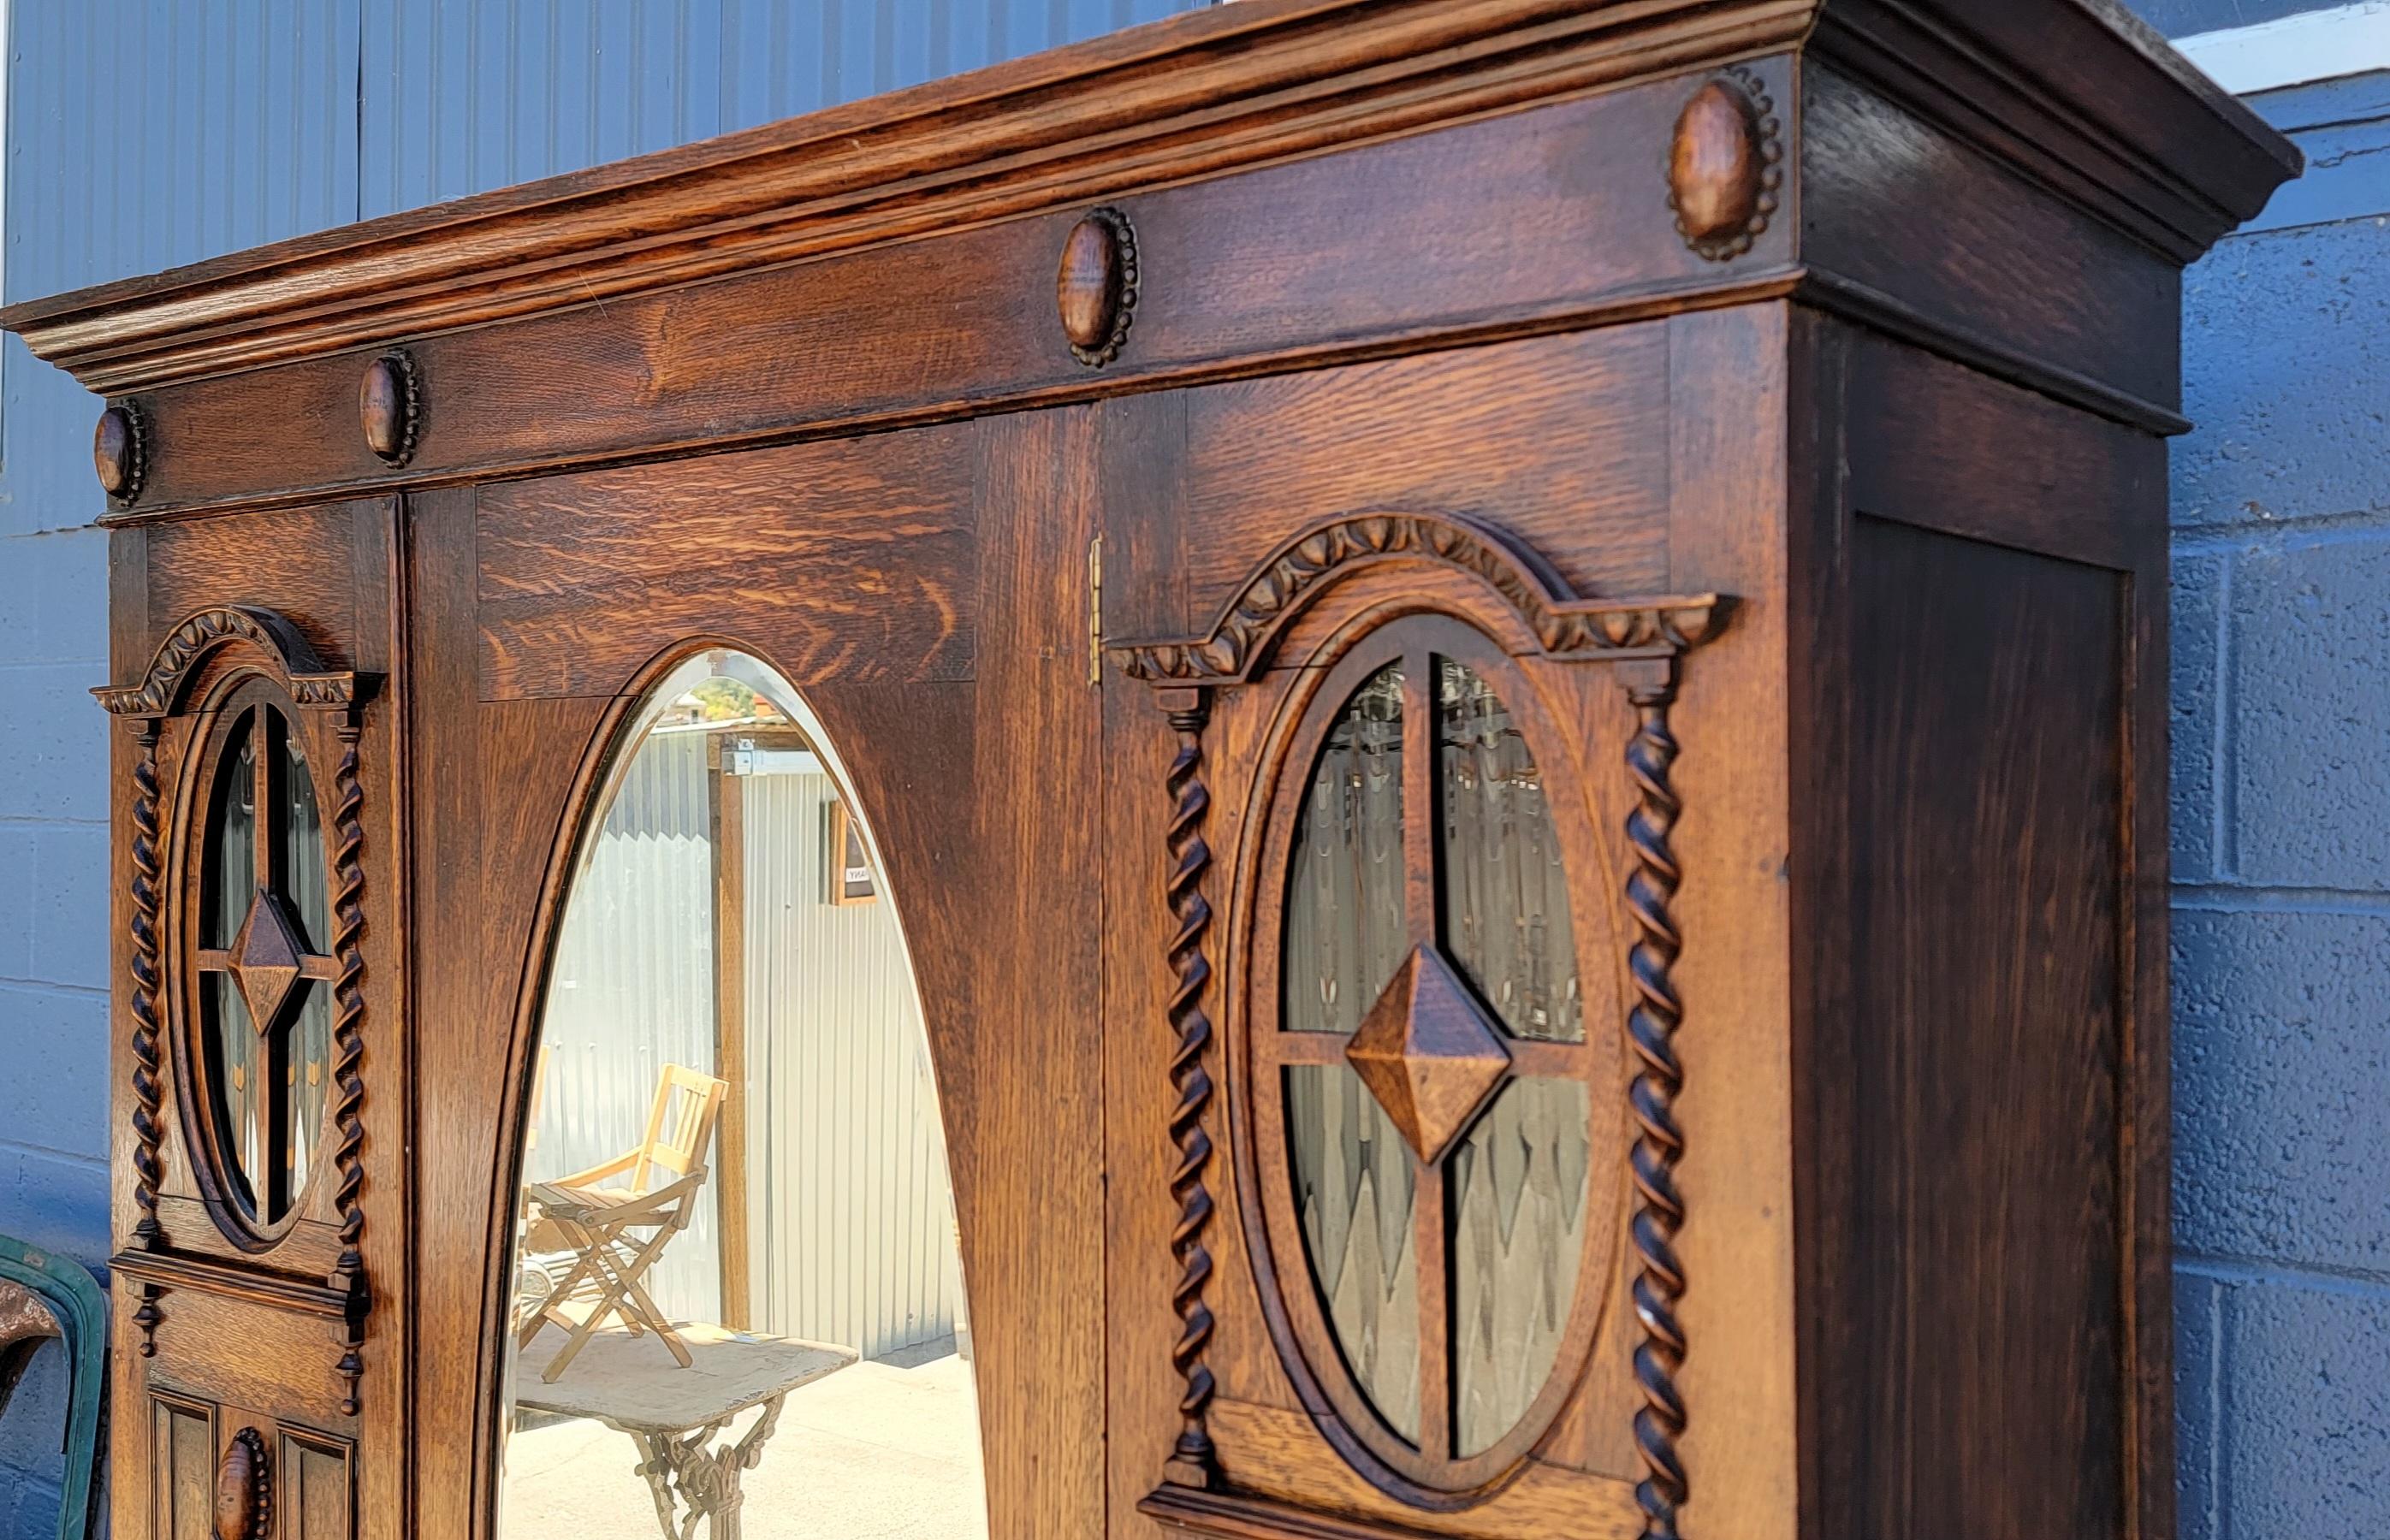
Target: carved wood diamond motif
267	961
1429	1053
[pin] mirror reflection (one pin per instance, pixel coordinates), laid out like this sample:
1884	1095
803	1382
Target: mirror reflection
737	1304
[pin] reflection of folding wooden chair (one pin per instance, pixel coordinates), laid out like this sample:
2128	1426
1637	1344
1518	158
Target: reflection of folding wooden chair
616	1227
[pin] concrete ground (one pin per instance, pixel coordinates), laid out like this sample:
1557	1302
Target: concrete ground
878	1451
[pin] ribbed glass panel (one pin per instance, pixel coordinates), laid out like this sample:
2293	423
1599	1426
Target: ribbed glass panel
1354	1192
231	860
305	879
234	1060
1506	899
305	1080
1345	931
1517	1210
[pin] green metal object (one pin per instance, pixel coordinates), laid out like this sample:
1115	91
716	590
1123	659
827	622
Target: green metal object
34	1283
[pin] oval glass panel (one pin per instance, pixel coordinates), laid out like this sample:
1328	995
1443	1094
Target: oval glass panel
733	1226
1505	892
231	841
1433	1070
263	990
1345	932
305	1073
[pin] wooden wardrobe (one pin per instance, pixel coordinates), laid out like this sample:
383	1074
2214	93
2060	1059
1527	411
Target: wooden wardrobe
1766	400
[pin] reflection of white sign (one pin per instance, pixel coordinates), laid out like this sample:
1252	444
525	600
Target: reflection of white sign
849	864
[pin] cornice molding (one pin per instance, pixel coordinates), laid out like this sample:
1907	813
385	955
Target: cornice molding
1202	95
1210	92
2106	114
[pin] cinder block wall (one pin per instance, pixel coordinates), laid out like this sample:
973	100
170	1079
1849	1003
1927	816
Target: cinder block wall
2281	851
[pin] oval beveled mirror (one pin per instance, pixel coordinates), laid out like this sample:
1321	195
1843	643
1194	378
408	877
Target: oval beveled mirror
737	1305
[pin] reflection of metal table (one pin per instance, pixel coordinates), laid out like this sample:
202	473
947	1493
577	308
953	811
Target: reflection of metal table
674	1414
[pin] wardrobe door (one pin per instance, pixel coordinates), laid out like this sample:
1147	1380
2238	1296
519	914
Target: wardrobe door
258	1069
888	640
1398	935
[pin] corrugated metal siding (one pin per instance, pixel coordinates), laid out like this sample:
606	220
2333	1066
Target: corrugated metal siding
141	137
853	1238
632	991
462	96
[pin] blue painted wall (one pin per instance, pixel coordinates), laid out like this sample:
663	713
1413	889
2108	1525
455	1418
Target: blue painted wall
143	134
2281	850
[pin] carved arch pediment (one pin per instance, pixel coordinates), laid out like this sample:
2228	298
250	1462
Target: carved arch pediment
1240	642
275	641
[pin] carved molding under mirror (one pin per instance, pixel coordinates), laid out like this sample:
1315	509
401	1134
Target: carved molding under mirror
246	904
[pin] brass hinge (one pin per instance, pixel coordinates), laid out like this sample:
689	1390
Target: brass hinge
1095	611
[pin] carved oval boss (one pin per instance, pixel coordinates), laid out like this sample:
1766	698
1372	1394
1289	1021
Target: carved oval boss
390	407
244	1504
1096	289
1725	165
120	452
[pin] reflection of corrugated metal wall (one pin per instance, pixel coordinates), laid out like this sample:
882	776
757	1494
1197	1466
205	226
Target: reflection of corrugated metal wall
633	991
854	1231
851	1230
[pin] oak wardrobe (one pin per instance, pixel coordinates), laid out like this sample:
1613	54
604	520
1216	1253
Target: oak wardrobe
1504	659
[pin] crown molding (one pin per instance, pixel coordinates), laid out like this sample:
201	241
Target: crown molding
2106	114
1198	95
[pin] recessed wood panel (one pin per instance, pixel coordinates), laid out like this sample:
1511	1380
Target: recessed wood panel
316	1500
300	560
272	1358
182	1468
853	559
1980	1313
1562	441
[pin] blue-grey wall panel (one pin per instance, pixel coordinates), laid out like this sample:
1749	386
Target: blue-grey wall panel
462	96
